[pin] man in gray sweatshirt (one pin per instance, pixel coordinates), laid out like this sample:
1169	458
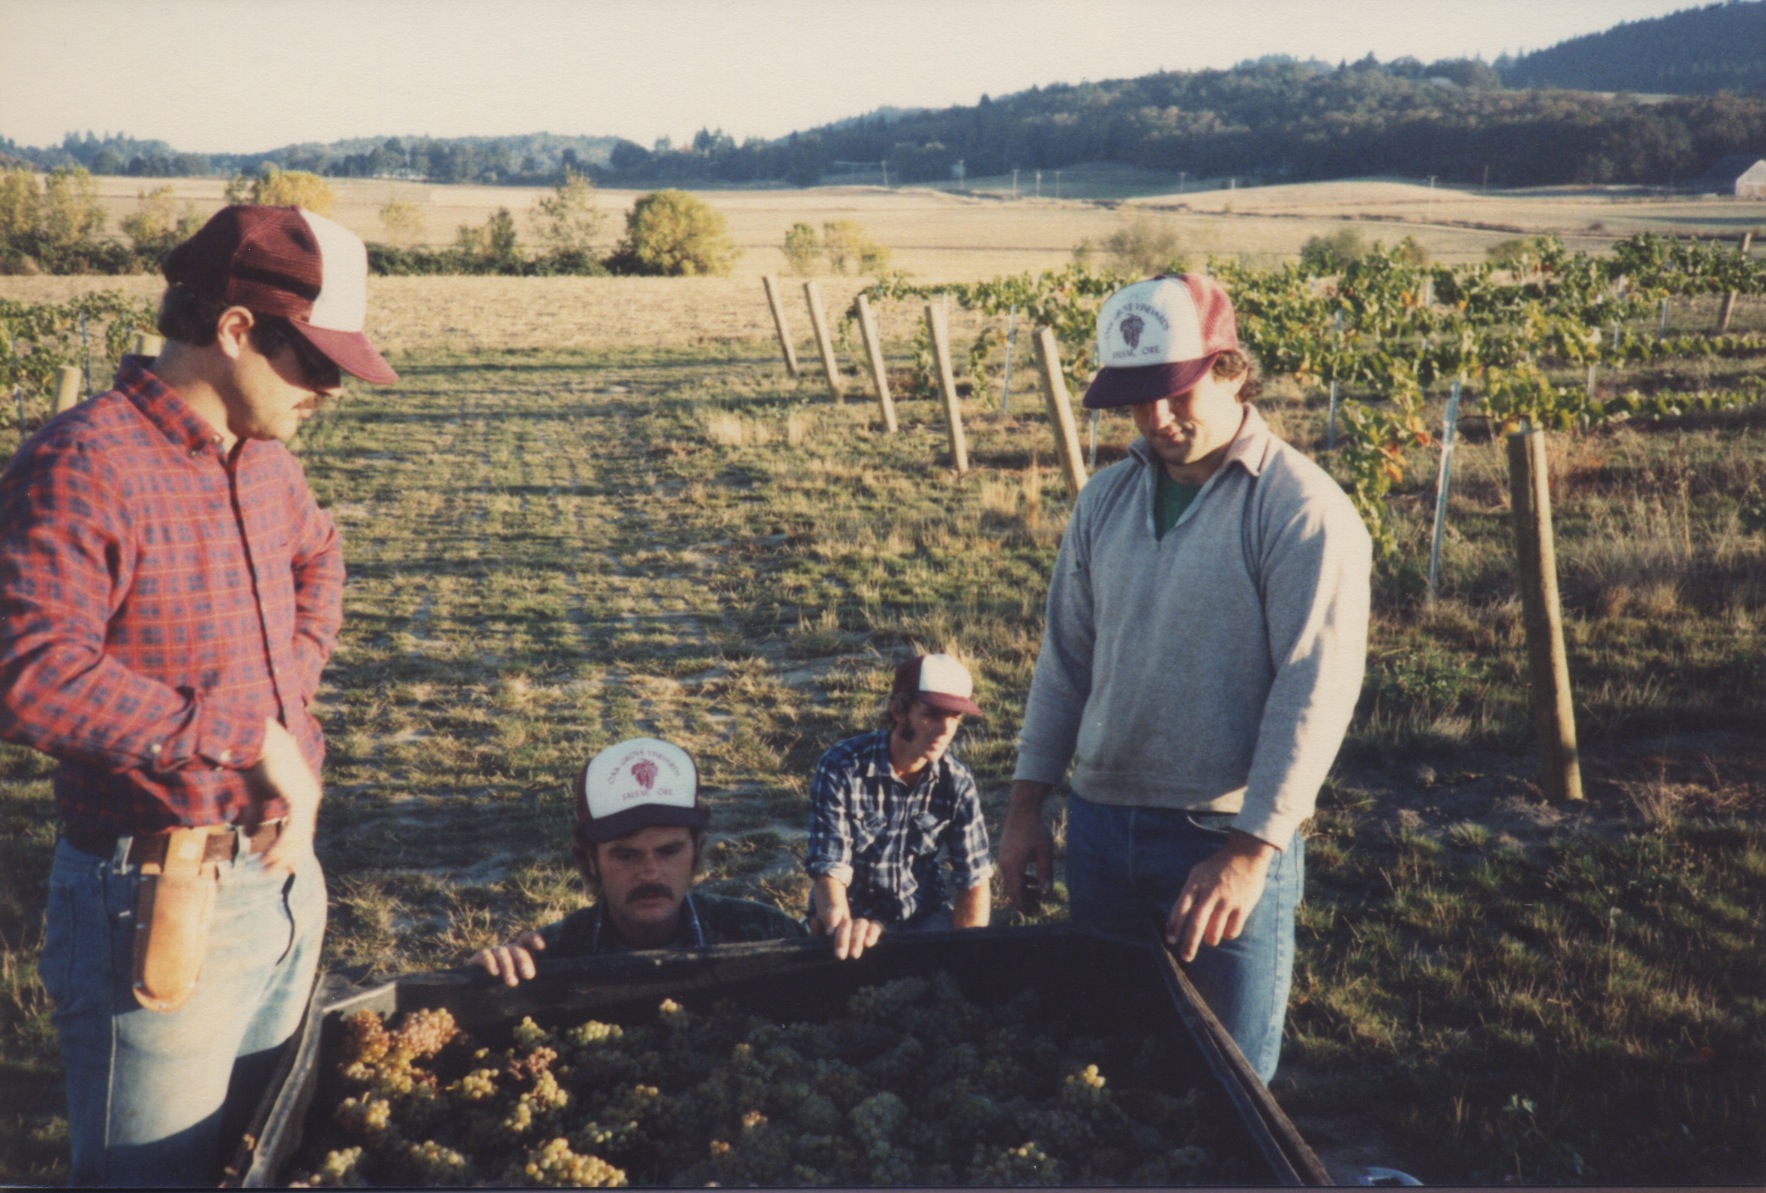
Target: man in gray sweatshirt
1206	638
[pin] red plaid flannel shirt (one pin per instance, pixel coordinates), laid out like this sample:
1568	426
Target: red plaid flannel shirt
158	601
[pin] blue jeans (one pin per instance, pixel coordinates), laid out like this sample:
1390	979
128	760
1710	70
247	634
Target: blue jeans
1127	865
160	1097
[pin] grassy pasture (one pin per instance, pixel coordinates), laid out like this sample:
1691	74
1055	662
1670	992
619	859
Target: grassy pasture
597	507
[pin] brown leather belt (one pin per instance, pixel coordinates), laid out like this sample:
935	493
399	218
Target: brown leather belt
150	848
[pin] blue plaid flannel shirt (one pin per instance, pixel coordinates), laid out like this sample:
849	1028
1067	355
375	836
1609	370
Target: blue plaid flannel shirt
868	830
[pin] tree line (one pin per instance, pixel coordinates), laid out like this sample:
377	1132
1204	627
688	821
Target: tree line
1270	120
57	225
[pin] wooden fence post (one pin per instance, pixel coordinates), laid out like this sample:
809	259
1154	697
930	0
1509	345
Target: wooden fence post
824	343
1728	307
947	385
68	382
1054	388
772	299
867	326
1554	714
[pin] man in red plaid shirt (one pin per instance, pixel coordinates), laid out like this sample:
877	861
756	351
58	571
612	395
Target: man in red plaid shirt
169	593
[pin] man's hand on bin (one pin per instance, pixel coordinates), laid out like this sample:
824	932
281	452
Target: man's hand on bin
511	962
831	915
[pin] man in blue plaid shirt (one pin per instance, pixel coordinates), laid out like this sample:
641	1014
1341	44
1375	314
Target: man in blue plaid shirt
884	803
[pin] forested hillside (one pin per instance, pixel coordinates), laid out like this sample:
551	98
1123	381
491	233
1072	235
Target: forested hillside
1288	120
1271	120
1699	51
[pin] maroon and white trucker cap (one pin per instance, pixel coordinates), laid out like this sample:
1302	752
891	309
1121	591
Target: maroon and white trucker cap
940	681
1160	337
640	783
290	262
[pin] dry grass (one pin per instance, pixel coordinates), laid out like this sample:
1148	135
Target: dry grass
938	235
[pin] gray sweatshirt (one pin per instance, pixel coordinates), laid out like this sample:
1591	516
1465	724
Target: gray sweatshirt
1214	669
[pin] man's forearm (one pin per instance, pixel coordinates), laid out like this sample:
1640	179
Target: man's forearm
829	895
41	679
973	906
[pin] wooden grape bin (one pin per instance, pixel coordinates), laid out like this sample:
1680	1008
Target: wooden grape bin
1122	985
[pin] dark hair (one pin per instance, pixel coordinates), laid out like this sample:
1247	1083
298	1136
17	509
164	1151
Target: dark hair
896	708
190	317
1236	362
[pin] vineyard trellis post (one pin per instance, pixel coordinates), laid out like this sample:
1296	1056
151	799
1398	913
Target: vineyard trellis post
1011	342
947	386
1331	427
867	328
1662	324
1060	410
67	387
1728	307
147	344
824	342
772	298
86	351
1091	450
1443	479
1554	714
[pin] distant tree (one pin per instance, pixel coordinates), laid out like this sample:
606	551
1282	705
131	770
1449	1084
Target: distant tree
803	252
709	141
469	244
628	155
567	222
500	237
1519	252
1143	247
283	188
70	214
403	222
157	225
845	242
1467	72
1335	252
19	205
490	247
673	233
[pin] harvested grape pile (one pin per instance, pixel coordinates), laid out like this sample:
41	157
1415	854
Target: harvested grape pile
915	1085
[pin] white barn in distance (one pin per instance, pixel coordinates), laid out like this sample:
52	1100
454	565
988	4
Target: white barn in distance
1740	174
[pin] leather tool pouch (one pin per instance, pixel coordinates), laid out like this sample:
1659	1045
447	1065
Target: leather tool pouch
173	908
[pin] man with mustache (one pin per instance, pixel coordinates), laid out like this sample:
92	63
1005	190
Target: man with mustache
640	831
884	803
170	591
1207	631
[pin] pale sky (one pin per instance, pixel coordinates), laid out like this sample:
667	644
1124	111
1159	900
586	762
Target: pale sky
215	76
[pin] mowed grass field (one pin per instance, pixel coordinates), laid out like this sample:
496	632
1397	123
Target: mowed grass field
598	507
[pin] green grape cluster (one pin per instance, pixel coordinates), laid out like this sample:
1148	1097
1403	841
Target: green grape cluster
913	1084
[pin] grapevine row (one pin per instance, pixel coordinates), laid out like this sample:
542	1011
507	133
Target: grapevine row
1389	330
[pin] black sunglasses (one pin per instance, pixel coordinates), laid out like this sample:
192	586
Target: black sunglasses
317	369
